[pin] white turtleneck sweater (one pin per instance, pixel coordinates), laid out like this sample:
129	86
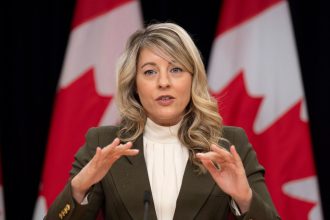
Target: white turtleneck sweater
166	160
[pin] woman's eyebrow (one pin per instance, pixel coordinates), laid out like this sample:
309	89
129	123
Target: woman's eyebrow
148	63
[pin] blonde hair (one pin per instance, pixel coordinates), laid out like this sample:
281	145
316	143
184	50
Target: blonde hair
201	123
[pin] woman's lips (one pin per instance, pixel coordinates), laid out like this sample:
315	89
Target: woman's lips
165	100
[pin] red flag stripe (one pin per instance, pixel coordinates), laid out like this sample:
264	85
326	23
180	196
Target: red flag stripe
77	108
248	38
229	17
87	10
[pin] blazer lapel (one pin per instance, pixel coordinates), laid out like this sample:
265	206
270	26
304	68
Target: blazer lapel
131	179
193	186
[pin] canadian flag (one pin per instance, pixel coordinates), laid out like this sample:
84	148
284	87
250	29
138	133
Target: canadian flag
254	73
86	90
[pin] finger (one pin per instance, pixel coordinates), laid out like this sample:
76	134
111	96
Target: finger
97	157
208	155
130	152
219	149
209	165
234	153
204	158
128	145
215	156
113	144
223	152
112	147
125	149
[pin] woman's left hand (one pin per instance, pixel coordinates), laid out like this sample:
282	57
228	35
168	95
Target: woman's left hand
229	175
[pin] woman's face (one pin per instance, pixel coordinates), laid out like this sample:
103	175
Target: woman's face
163	87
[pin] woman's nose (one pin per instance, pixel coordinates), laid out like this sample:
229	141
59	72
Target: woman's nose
163	80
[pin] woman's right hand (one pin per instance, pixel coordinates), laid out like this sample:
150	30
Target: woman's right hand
98	166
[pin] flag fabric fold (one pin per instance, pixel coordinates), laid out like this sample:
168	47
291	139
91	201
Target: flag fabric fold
254	73
86	90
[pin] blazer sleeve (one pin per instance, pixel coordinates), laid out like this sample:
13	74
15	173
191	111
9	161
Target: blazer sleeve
261	206
65	207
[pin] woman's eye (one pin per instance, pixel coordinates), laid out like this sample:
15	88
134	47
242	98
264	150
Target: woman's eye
176	70
149	72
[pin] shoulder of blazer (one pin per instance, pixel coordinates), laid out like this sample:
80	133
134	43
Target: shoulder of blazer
101	136
227	130
234	134
102	130
231	130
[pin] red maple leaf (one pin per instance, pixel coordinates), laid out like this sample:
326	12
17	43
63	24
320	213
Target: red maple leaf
284	148
77	108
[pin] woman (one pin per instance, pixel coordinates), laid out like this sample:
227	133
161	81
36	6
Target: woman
170	143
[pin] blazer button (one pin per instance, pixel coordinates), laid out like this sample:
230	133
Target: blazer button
66	209
63	213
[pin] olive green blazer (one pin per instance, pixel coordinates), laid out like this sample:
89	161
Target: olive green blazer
120	193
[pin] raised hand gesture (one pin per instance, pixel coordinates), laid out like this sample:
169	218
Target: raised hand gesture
98	166
228	172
